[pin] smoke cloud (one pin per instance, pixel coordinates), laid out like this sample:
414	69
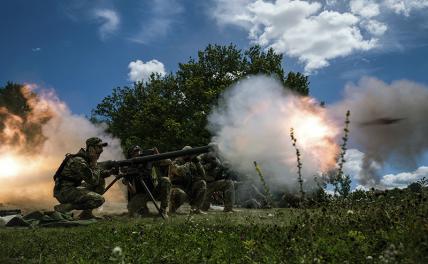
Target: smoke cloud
253	121
27	176
389	123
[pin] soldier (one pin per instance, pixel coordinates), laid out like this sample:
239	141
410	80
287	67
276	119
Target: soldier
79	181
217	182
188	176
158	184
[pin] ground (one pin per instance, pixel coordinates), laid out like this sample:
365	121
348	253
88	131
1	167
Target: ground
368	228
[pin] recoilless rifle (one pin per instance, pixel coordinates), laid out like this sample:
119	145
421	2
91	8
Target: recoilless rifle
148	159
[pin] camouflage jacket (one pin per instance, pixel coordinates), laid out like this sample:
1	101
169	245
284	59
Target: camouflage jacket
77	169
212	166
186	172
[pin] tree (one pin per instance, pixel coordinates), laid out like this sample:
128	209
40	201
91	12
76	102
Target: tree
171	111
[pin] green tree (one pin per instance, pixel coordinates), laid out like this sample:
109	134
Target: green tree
171	111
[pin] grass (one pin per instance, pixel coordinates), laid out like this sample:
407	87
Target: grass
364	228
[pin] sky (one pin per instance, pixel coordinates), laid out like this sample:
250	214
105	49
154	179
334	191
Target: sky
83	49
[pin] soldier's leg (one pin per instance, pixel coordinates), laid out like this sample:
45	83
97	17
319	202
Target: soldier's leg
164	193
177	198
224	186
137	205
81	198
199	191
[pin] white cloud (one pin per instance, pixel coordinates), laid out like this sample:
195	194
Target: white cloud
354	163
375	27
364	8
162	16
141	71
297	28
401	180
109	22
404	7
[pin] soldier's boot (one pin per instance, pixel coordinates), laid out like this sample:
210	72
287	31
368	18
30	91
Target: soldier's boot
164	213
87	214
63	208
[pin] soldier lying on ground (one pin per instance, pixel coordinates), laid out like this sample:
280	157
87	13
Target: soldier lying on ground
159	185
217	181
188	179
79	181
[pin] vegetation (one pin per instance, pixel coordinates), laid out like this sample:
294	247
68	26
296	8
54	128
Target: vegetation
171	111
365	227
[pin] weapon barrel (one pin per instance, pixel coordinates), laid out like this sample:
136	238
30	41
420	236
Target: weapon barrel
10	212
165	155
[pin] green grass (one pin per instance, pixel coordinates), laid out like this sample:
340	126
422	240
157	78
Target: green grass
391	228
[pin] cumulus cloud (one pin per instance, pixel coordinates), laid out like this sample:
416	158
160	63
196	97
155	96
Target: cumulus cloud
364	8
299	29
314	32
403	179
404	7
141	71
109	20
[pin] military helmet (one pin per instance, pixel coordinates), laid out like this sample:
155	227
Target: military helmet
95	141
186	148
134	149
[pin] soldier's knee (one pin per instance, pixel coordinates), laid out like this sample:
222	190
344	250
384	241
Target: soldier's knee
165	181
96	201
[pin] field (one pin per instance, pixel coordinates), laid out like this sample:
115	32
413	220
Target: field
368	227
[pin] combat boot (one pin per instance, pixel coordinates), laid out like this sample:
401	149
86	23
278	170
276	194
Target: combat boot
164	213
63	208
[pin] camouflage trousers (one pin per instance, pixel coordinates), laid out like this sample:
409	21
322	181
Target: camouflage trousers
226	187
83	197
195	196
137	205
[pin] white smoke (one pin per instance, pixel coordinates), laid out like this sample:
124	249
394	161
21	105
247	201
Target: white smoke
252	123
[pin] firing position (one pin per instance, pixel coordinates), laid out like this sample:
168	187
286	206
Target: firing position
80	181
158	184
188	178
217	181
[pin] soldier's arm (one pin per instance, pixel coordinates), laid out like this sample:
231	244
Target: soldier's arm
81	168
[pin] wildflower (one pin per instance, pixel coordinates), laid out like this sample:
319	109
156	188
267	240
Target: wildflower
350	212
117	251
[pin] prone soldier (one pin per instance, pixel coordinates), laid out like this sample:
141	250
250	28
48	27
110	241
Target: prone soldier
80	181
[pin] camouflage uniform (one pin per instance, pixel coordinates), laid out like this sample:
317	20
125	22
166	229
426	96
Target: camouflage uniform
216	182
189	184
80	185
158	184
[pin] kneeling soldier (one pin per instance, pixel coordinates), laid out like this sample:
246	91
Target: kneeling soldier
79	181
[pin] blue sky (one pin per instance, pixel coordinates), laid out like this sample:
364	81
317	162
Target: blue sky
83	49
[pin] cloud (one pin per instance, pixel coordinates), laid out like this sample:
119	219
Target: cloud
364	8
403	179
299	29
162	15
404	7
109	20
314	32
36	49
141	71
